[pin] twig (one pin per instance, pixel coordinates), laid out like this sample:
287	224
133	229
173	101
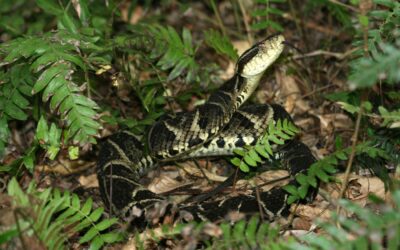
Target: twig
351	157
219	20
237	16
316	90
259	201
246	22
345	5
201	170
339	56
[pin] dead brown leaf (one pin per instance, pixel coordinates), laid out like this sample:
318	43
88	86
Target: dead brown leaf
64	166
290	92
89	181
163	184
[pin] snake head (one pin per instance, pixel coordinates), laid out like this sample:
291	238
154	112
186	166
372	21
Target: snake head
258	58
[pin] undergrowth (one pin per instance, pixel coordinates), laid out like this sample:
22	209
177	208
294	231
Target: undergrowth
59	56
53	217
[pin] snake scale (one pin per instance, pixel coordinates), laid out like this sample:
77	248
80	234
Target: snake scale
214	128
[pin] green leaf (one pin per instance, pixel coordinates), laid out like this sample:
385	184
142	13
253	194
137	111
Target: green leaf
251	230
302	179
303	190
69	23
15	112
187	40
236	161
112	237
15	190
253	154
322	175
275	139
341	155
54	135
363	20
8	235
261	150
92	232
19	100
73	152
50	6
179	68
329	168
54	85
312	181
244	167
96	243
290	189
221	44
250	161
239	151
47	76
291	199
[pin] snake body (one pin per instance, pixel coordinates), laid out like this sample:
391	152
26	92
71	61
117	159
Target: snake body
215	128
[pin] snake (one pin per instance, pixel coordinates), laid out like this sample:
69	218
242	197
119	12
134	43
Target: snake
215	128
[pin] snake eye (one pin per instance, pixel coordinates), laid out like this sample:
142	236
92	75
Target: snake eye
260	56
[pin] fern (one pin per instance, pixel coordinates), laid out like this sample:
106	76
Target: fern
55	216
54	61
390	118
324	169
384	58
337	11
277	133
243	234
247	234
221	44
48	139
368	231
14	98
383	66
174	53
265	13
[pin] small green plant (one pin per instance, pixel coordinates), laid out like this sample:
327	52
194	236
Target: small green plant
174	53
277	132
53	217
364	230
221	44
324	169
264	14
247	234
336	10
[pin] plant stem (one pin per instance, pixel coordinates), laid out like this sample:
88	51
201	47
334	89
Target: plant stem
245	21
217	15
351	157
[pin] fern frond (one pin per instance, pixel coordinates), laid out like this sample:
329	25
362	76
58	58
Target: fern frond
391	119
384	58
221	44
15	92
263	15
246	234
383	66
174	53
58	215
367	231
277	133
324	169
337	11
54	60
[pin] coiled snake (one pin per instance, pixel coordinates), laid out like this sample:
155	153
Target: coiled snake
215	128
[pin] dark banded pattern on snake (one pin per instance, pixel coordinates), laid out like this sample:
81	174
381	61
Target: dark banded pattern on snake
212	129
